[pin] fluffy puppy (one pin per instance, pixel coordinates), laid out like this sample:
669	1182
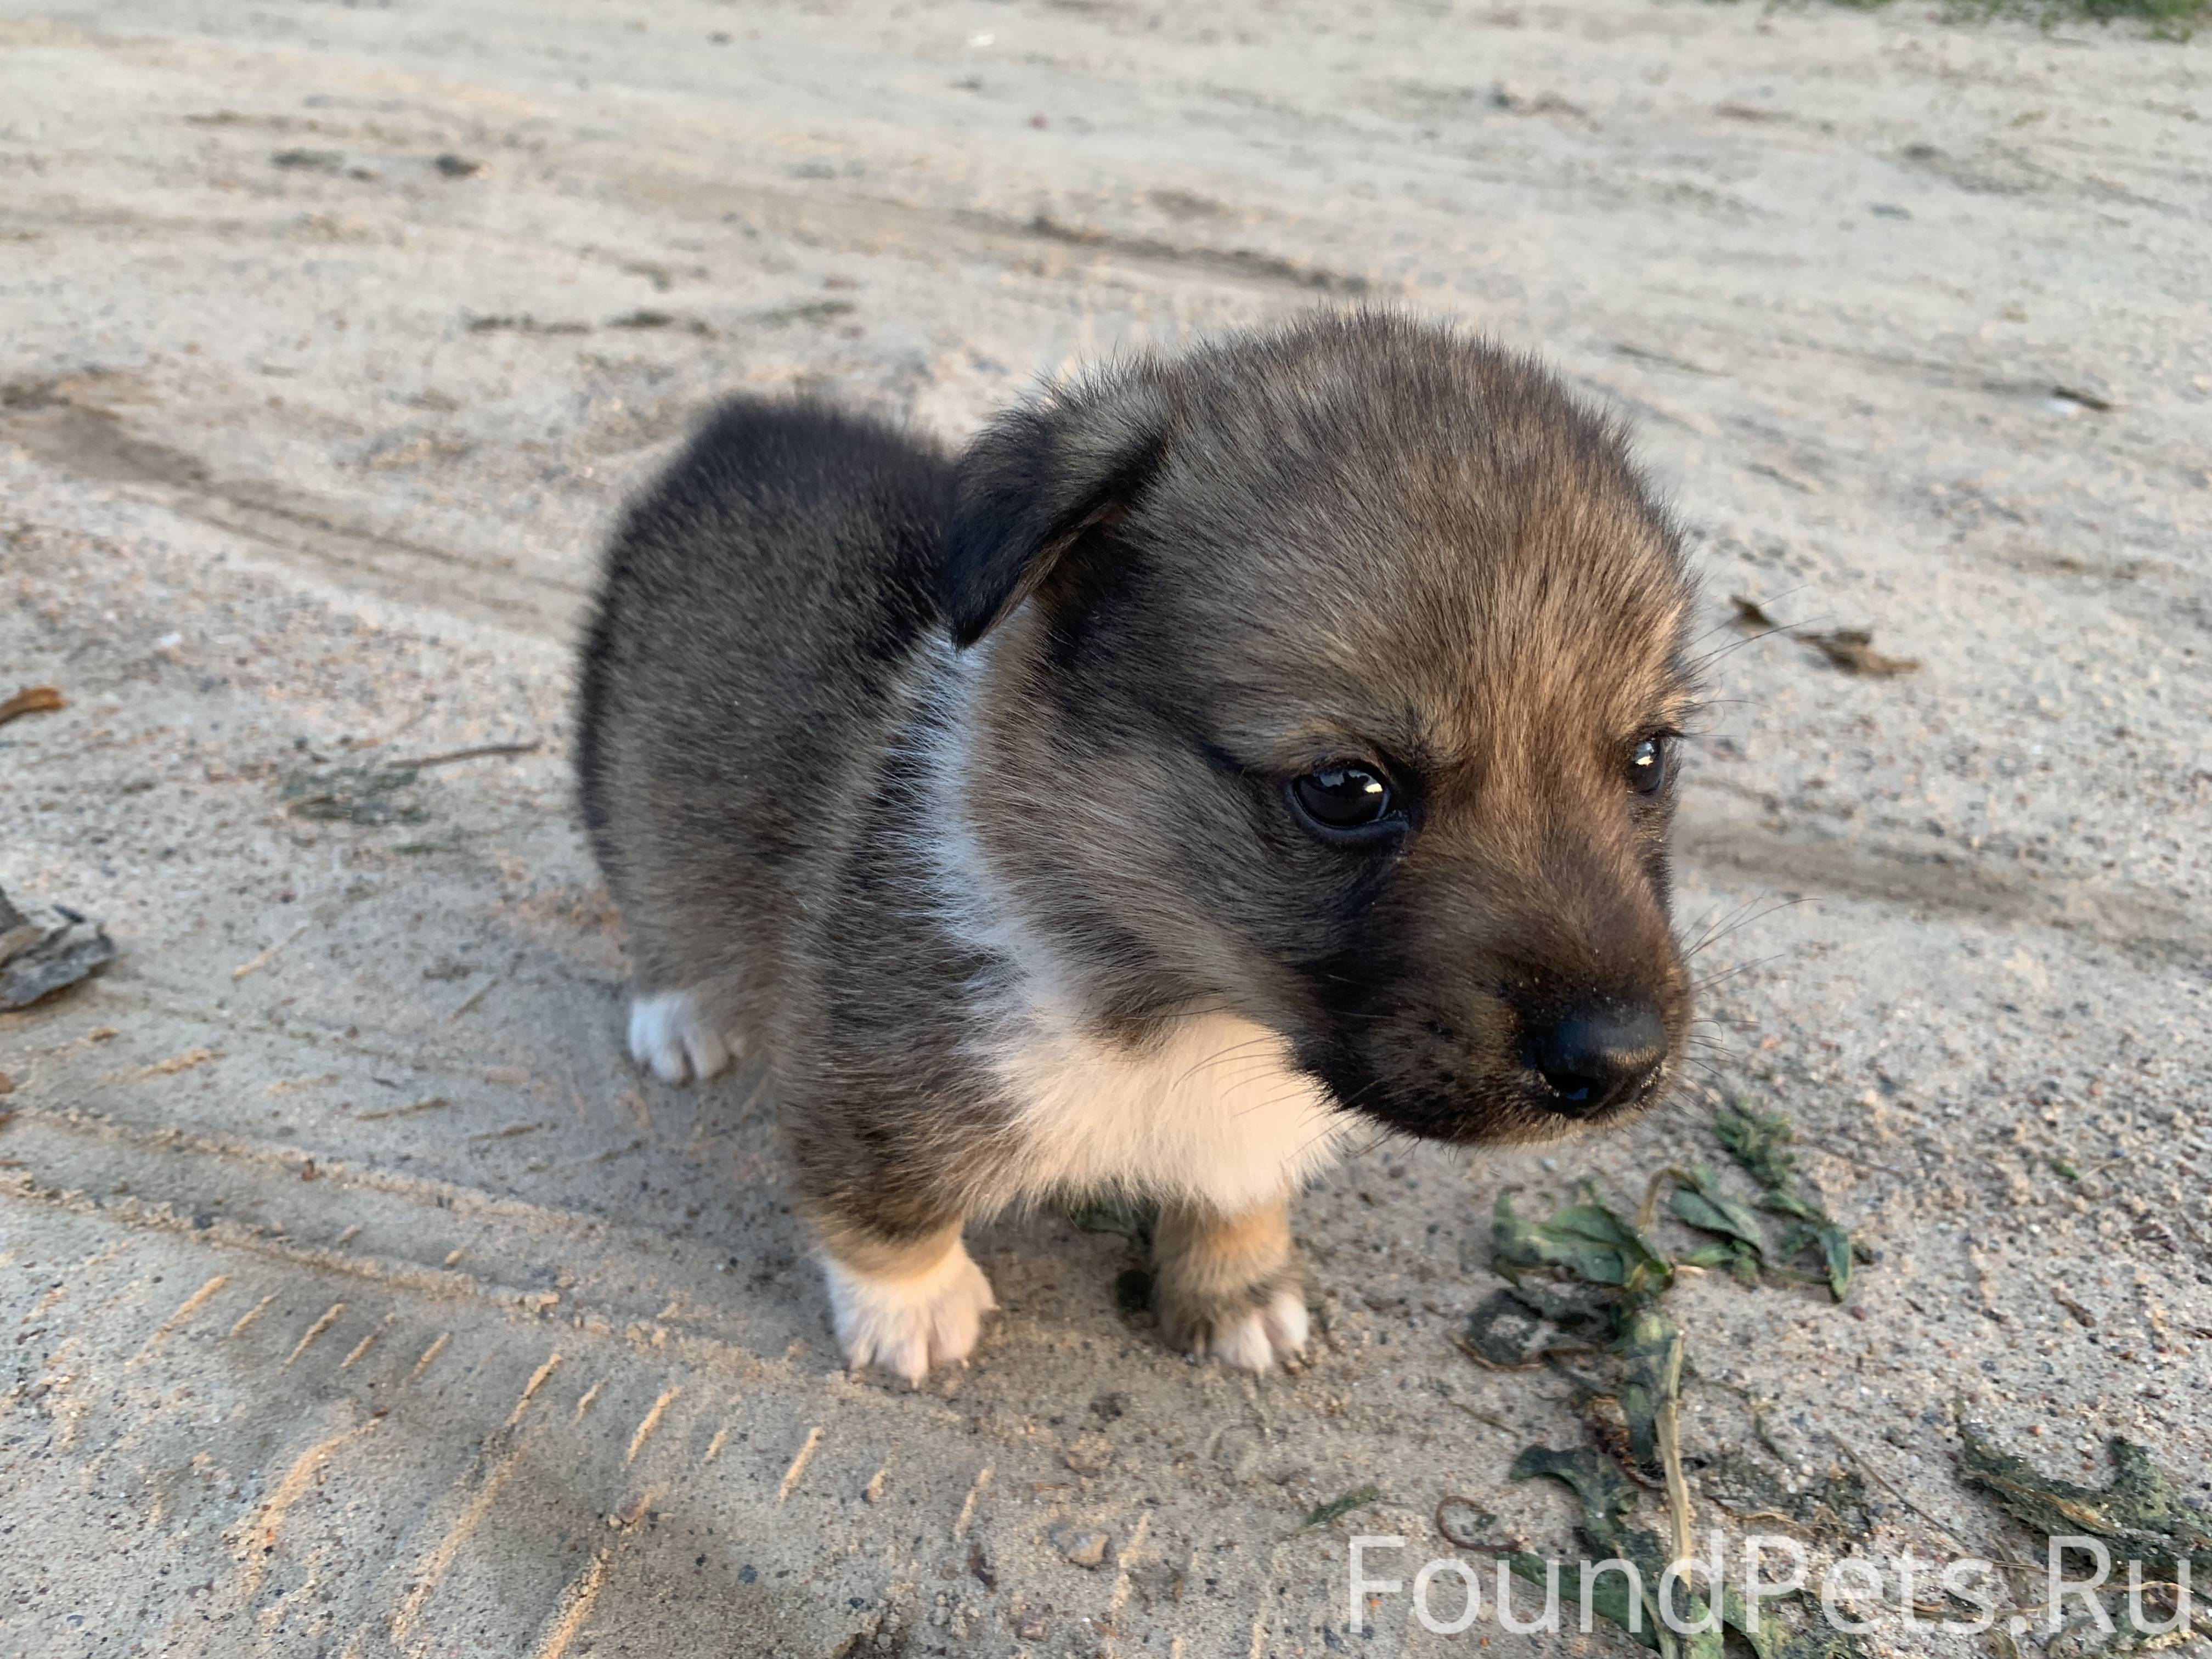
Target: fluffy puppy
1225	758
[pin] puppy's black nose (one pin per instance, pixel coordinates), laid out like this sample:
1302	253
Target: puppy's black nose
1597	1056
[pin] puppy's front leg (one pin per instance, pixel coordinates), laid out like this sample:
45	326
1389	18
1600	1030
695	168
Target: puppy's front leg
906	1304
1229	1286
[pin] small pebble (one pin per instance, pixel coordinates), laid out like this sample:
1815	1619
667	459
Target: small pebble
1089	1455
1080	1546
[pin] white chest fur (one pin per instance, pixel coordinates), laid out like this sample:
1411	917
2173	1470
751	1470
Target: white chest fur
1212	1112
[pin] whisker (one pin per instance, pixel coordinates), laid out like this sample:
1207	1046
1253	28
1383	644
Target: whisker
1707	983
1737	926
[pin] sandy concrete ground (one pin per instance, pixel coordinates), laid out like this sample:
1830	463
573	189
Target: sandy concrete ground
360	1300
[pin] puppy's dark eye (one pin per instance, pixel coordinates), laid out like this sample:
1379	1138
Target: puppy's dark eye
1648	762
1343	798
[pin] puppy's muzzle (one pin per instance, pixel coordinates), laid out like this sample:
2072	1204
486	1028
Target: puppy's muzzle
1594	1056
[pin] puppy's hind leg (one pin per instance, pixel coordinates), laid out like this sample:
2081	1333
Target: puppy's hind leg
1229	1286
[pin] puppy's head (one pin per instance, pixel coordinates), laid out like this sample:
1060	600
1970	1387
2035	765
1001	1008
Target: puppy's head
1332	678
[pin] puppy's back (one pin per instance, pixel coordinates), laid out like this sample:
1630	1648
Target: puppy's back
740	667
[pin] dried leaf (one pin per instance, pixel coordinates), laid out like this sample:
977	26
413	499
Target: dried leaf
1651	1349
1750	613
1617	1281
1836	1249
1604	1494
1851	649
33	700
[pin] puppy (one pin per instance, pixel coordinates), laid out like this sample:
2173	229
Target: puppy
1224	759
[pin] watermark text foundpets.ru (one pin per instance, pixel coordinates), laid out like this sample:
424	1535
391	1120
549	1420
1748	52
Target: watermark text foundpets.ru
1448	1593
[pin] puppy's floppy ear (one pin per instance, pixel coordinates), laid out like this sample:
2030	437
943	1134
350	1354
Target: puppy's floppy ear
1033	484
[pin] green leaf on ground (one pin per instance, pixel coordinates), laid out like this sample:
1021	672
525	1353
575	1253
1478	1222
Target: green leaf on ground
2140	1513
1760	1144
1608	1500
1502	1330
350	794
1587	1239
1324	1513
1707	1207
1650	1348
1605	1290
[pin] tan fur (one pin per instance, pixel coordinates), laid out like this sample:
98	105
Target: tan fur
1230	1283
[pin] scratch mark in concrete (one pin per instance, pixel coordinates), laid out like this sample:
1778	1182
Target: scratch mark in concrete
330	1318
1260	1614
573	1608
652	1422
799	1464
259	1535
169	1067
440	1559
429	1354
253	965
251	1314
190	1305
536	1382
967	1504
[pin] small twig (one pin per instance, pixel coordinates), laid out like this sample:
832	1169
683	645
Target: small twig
1666	1428
1495	1422
470	1001
480	752
1875	1475
1648	1212
1850	1157
1488	1364
268	956
1775	1517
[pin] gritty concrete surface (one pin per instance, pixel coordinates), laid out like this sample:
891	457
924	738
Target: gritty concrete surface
361	1300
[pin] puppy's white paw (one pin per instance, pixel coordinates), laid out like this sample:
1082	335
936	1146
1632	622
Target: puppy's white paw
1255	1342
907	1324
669	1033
